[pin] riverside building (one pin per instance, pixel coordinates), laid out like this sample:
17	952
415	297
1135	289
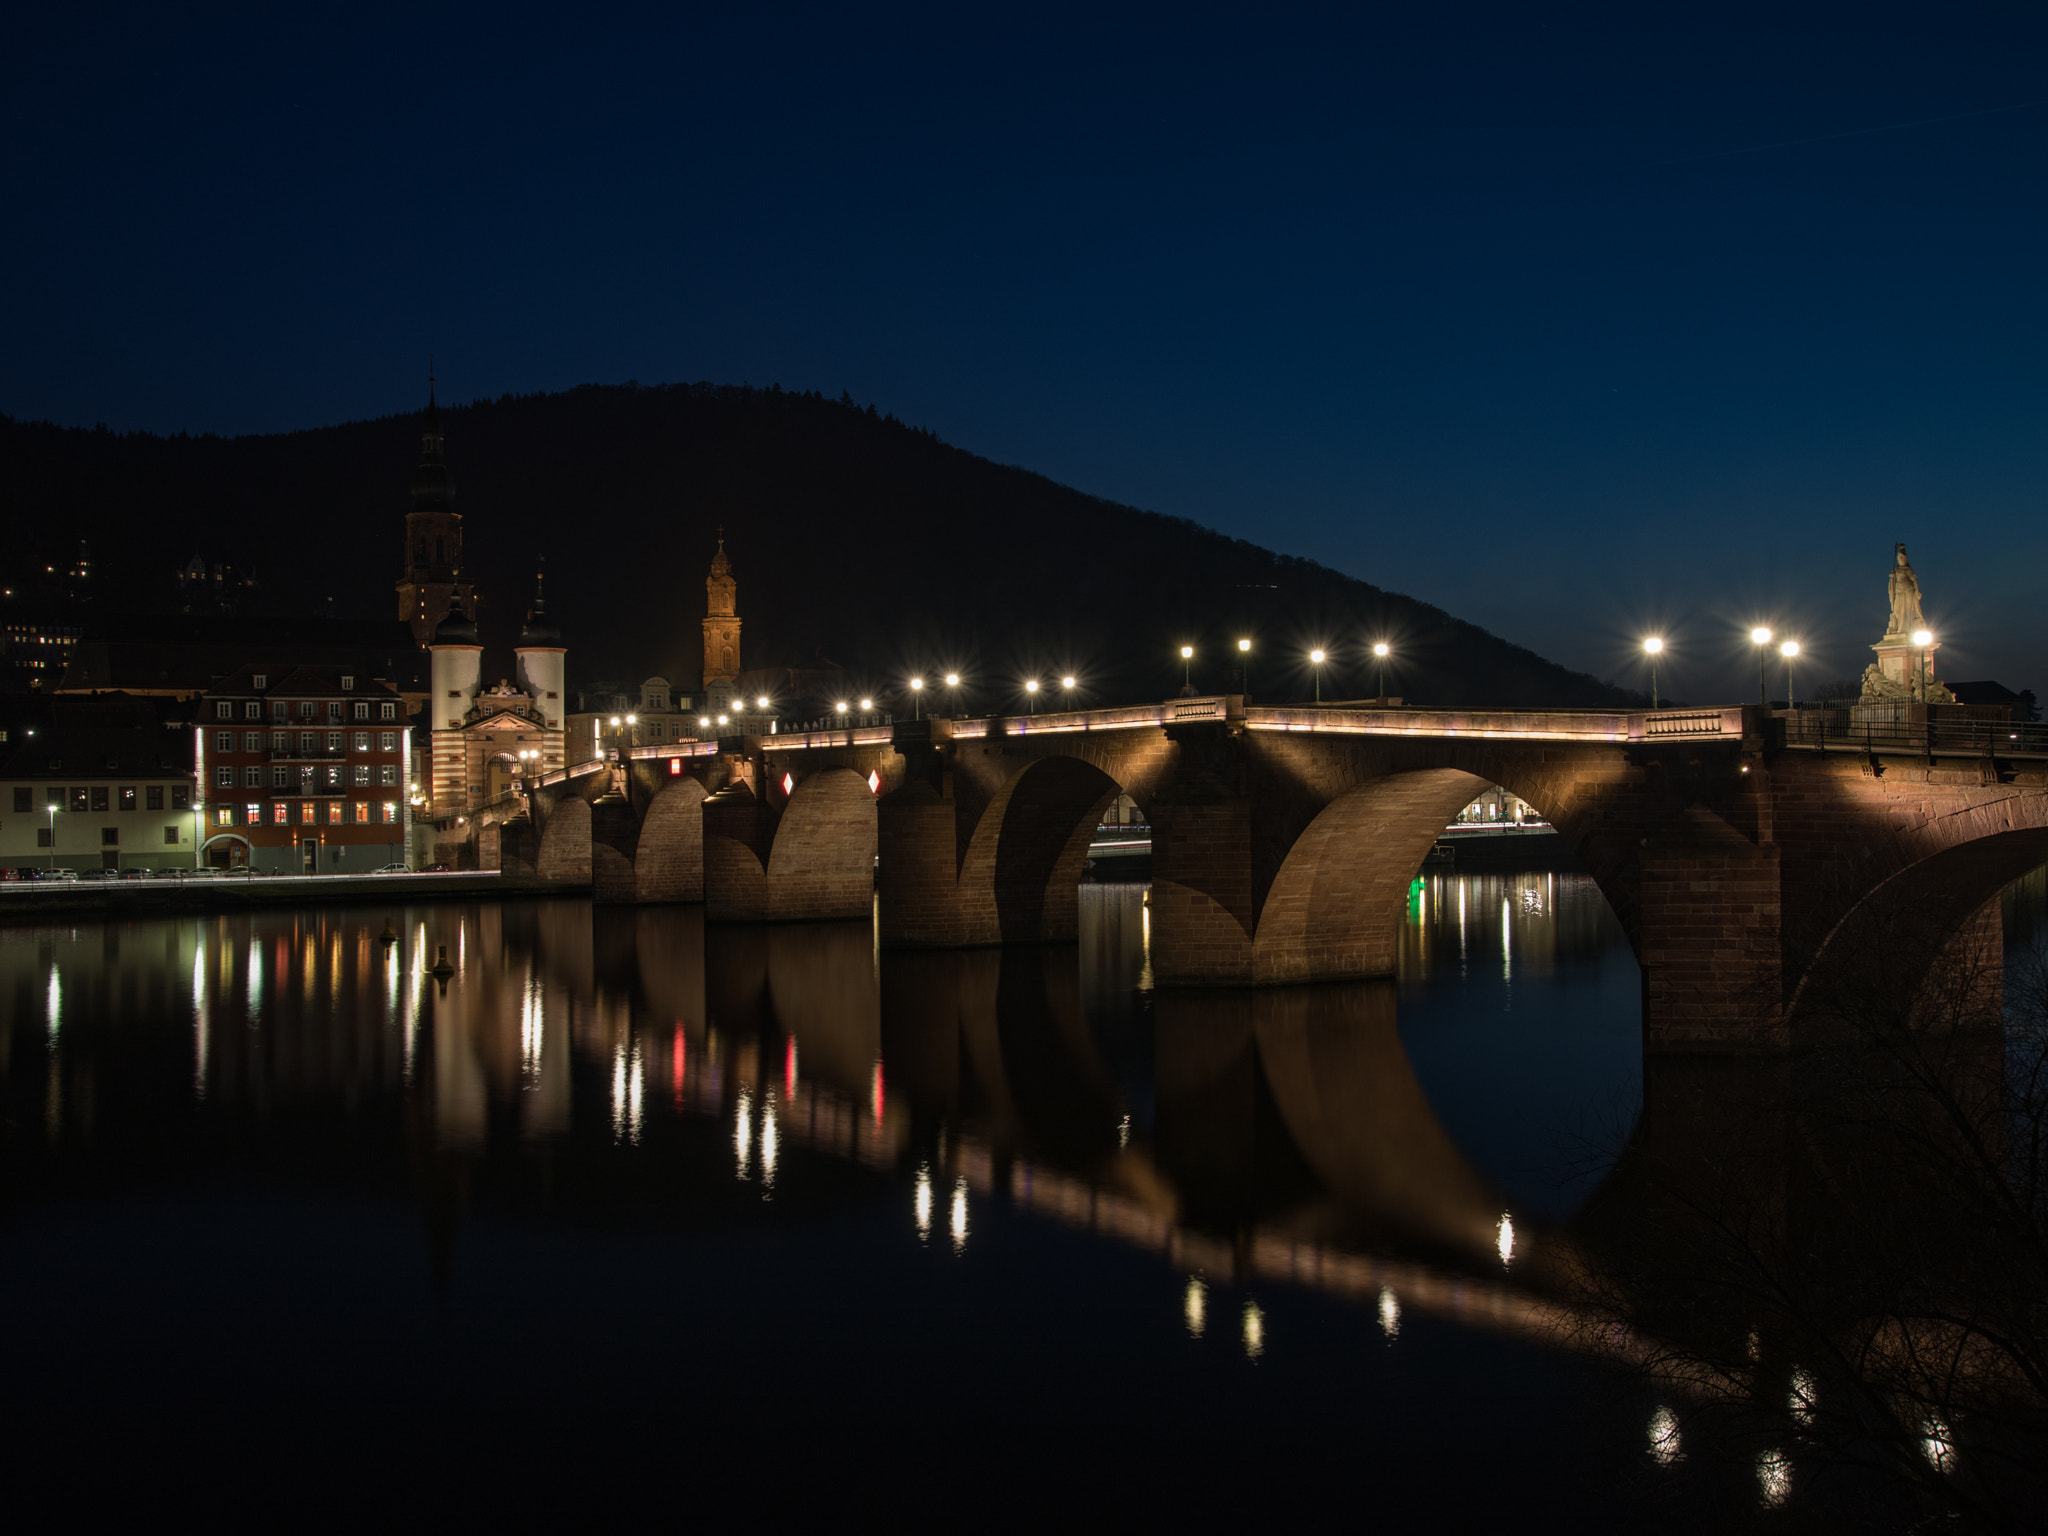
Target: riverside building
303	772
103	783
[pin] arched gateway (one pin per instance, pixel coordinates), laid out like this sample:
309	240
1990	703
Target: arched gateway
1284	839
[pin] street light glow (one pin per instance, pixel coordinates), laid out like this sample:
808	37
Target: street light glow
1654	646
1187	653
952	679
761	702
1923	637
840	706
1316	657
704	721
1760	635
1380	649
916	683
1032	686
1244	645
1789	649
615	719
1066	682
867	703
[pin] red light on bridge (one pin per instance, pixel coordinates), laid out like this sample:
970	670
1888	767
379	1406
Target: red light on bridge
675	767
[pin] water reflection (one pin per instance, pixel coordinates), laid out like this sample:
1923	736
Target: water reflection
1383	1144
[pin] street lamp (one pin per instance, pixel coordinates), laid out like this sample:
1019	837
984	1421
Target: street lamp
1067	688
53	838
1380	651
866	705
1244	666
1031	691
840	706
1317	658
1653	648
1923	638
1789	650
1761	637
703	722
1187	669
917	698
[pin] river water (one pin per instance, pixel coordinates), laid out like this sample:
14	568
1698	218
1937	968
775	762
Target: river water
626	1216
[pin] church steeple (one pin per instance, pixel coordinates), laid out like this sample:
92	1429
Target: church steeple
721	627
432	583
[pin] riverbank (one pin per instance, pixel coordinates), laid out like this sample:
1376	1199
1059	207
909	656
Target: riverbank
36	902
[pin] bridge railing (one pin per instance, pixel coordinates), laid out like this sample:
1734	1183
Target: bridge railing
1824	730
1503	724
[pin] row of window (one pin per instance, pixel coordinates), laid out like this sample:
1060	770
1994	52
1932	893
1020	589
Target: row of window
110	837
224	709
309	741
305	778
100	797
251	815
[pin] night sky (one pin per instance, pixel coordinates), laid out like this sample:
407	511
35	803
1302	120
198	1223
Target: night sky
1580	323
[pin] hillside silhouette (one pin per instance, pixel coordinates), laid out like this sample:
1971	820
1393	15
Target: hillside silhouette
856	540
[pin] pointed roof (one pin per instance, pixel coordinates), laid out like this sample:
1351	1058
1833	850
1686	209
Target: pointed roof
433	488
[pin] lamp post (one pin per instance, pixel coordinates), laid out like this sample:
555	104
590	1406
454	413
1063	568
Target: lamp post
917	698
1653	648
1067	692
1789	650
1187	669
953	693
1922	639
1761	637
1031	693
1244	667
1316	657
53	839
867	706
1380	651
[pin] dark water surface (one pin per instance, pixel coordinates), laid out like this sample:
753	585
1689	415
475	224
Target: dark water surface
628	1217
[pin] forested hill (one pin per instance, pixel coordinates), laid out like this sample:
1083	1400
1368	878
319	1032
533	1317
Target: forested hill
854	539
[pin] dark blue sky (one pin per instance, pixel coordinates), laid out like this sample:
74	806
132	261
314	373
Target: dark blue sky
1502	306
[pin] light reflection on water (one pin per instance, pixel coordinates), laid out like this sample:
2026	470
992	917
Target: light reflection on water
1377	1160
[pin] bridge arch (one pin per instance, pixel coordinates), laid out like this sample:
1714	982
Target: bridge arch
1023	864
1933	924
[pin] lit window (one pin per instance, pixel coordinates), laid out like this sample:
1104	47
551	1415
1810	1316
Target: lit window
224	816
280	813
223	778
254	816
362	741
362	773
362	810
306	812
387	741
388	774
334	741
390	812
127	799
181	798
334	812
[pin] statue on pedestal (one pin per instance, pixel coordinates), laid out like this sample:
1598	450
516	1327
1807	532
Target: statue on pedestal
1903	671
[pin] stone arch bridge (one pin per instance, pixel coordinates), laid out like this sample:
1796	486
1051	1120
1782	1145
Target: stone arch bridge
1285	839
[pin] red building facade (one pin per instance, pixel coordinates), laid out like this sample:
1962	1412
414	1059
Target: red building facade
304	771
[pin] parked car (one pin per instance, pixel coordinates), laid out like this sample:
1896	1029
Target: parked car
98	874
134	874
61	874
439	869
393	869
27	872
171	874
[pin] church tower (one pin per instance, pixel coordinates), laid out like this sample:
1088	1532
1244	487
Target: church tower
721	630
432	584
